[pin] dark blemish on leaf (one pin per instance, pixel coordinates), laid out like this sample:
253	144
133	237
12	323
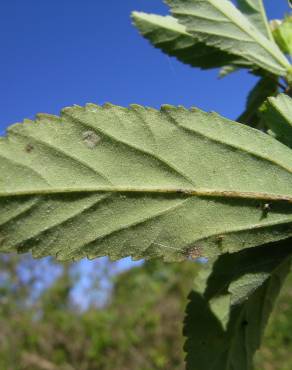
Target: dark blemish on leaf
188	192
29	148
107	105
166	107
91	139
184	191
219	240
194	252
244	323
265	208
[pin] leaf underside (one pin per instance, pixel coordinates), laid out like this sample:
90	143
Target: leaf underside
220	24
165	33
230	306
255	12
138	182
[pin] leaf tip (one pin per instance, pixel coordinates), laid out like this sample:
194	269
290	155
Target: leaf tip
45	117
136	107
167	107
135	14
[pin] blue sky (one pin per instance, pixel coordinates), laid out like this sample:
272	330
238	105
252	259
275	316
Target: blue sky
58	53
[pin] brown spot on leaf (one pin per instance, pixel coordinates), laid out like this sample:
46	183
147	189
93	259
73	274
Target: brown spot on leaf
90	138
29	148
194	252
244	323
219	240
265	208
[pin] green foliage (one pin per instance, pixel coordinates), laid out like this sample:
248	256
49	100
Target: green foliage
283	34
220	24
255	12
264	88
277	115
230	306
134	186
277	342
132	331
172	184
167	34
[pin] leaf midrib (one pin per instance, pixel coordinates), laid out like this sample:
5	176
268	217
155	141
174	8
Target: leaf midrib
197	192
264	17
181	31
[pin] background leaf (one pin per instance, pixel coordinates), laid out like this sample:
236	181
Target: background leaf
230	307
220	24
277	115
283	34
265	87
113	181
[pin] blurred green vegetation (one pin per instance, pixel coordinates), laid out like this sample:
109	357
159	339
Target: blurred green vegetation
276	352
139	327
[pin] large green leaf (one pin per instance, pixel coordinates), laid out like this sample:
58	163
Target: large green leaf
265	87
220	24
254	10
230	306
171	37
114	181
277	115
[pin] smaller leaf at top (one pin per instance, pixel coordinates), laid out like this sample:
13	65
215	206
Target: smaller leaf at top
171	37
277	115
220	24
